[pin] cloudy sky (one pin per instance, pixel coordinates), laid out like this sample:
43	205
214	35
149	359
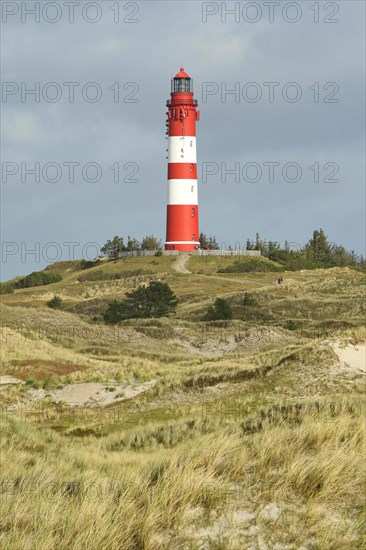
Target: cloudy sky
297	145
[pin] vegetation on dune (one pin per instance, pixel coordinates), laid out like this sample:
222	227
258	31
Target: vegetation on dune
186	483
111	276
88	264
248	264
6	288
38	278
249	299
220	311
55	302
318	252
155	300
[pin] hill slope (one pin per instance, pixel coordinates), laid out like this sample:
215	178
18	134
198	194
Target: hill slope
247	433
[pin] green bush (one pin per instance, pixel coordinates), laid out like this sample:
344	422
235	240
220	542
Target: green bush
6	288
38	278
155	300
249	300
55	302
291	325
220	311
246	265
88	264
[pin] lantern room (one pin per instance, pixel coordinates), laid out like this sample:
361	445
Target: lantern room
182	83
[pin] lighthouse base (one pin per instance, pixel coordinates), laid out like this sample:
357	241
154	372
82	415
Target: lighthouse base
182	246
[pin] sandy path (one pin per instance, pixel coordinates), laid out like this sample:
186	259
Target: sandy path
180	264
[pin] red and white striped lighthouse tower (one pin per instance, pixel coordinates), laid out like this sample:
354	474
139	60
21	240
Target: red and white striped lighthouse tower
182	211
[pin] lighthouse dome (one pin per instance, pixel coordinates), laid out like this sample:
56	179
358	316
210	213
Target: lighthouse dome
182	74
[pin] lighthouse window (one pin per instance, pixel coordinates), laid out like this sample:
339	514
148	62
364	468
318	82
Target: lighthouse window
182	85
193	237
192	189
193	212
191	167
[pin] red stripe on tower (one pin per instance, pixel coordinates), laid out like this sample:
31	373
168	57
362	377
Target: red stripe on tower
182	210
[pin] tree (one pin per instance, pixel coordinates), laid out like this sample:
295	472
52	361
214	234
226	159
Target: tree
212	243
132	244
258	242
249	245
208	242
318	249
55	302
117	311
353	258
113	248
203	240
221	310
155	300
273	247
150	243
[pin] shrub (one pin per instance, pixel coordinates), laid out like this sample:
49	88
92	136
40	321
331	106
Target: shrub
155	300
55	302
49	383
246	265
220	311
291	325
38	278
6	288
249	300
88	264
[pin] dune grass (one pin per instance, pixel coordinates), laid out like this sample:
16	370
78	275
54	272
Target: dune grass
252	437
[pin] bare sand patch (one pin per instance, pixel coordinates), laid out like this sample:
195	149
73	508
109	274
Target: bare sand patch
352	356
91	394
5	380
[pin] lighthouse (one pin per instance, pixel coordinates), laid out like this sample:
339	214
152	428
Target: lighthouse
182	210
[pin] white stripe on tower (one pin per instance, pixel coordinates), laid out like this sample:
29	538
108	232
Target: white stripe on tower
182	149
182	191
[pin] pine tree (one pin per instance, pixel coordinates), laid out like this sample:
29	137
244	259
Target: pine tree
113	248
150	243
203	241
212	243
318	249
220	311
249	245
133	244
155	300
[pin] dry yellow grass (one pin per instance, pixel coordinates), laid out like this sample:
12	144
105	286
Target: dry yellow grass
253	436
309	469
